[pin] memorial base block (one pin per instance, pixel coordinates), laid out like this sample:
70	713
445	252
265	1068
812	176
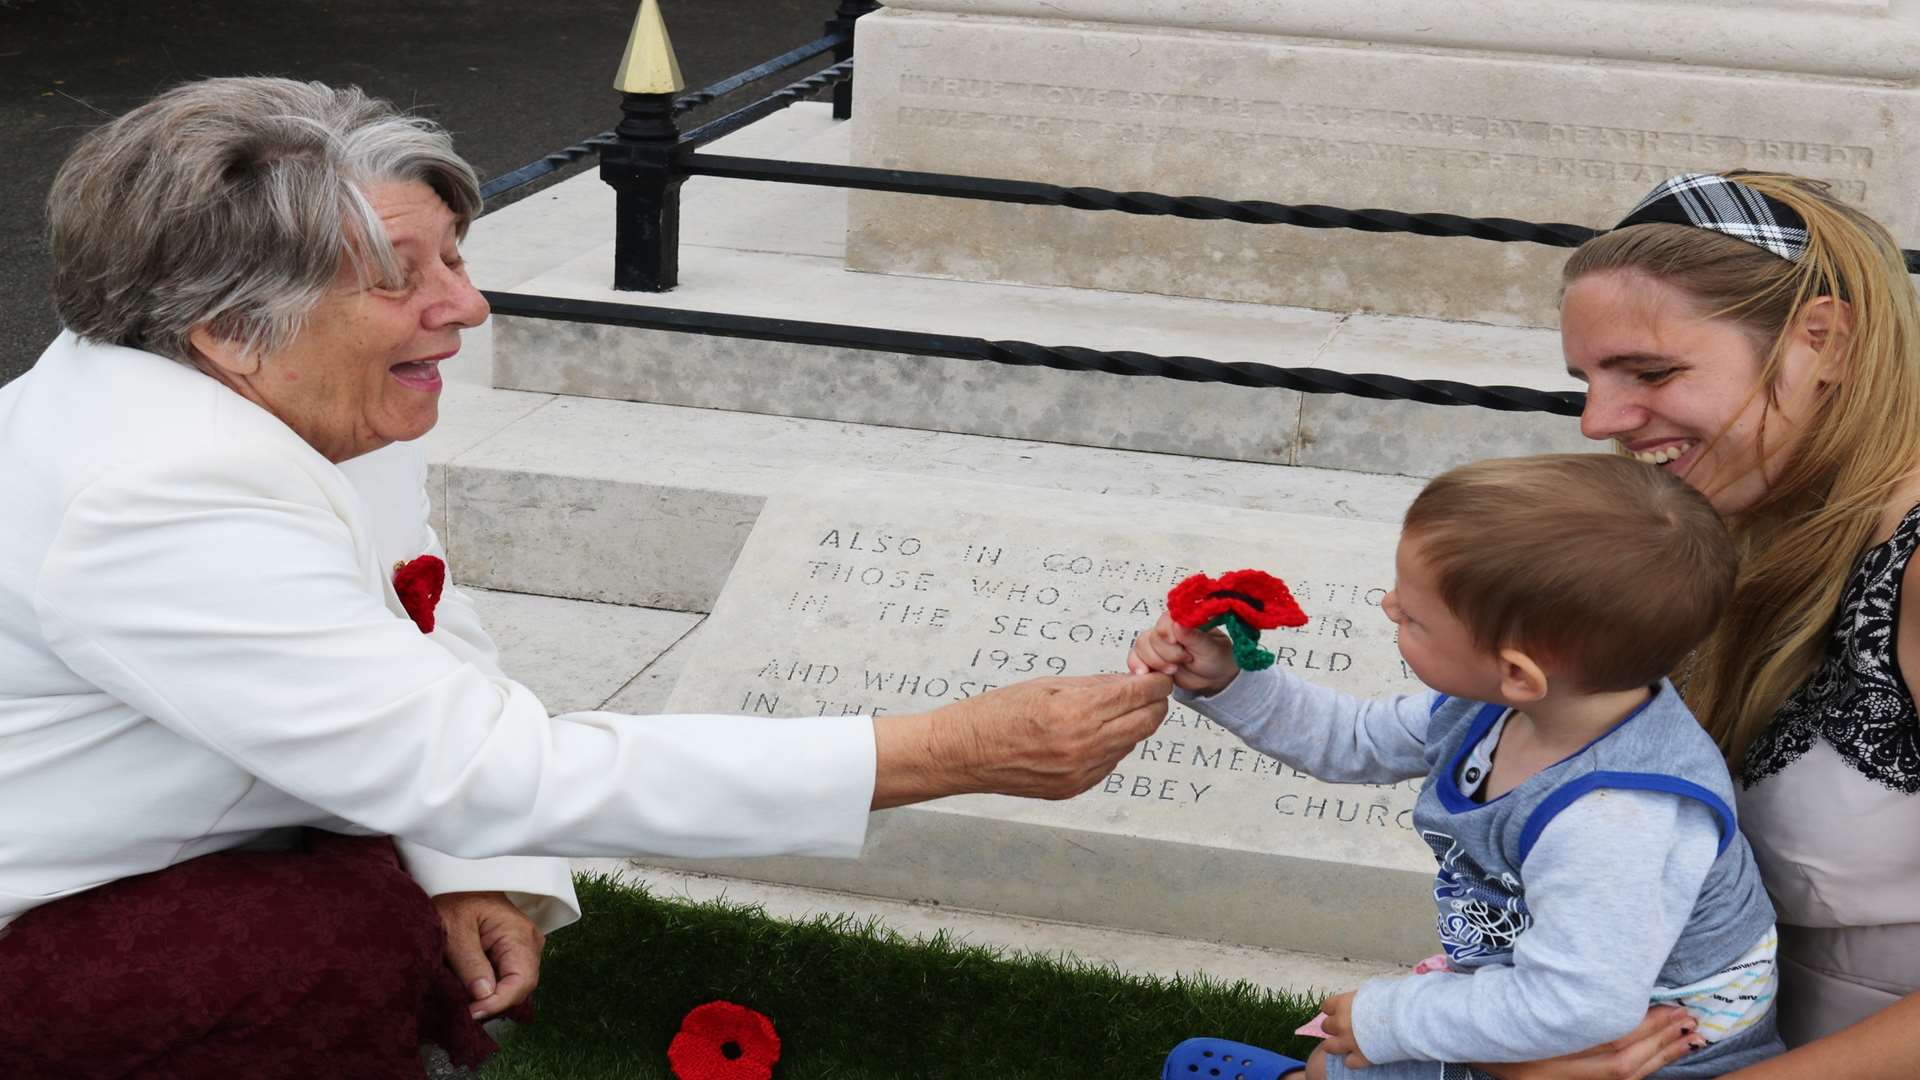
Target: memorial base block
851	598
1181	111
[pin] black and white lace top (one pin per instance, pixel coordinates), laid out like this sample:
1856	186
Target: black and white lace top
1830	802
1857	701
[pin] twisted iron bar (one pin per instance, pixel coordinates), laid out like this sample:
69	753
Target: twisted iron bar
1315	216
823	44
565	156
1149	203
1028	354
782	98
1146	203
1305	380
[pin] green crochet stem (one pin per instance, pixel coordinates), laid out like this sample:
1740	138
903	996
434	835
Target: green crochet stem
1246	642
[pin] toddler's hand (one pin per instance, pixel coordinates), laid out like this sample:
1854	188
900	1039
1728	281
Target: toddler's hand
1198	662
1339	1029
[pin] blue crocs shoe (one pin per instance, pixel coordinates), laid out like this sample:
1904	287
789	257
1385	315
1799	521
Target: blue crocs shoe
1224	1059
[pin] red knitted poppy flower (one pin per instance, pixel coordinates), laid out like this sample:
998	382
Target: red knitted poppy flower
1261	600
419	584
724	1041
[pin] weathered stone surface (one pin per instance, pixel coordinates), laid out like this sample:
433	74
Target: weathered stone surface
642	504
1481	129
1159	955
572	654
646	693
1869	39
1412	439
853	596
928	393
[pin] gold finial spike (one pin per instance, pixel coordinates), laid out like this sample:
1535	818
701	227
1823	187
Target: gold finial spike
649	67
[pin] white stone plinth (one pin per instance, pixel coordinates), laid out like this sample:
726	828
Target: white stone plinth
1567	112
864	593
1864	39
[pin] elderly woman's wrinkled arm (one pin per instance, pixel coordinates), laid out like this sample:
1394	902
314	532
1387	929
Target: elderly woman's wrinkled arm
1046	739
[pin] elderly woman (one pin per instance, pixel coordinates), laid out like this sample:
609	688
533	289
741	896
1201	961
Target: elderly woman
214	706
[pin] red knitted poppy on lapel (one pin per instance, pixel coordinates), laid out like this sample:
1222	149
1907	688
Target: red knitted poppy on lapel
419	584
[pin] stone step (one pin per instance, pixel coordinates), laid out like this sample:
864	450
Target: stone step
778	251
642	504
1126	951
576	655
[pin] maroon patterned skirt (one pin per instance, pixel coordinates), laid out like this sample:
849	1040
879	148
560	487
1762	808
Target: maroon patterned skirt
322	962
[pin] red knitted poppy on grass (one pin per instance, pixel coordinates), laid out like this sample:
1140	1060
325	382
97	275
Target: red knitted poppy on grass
419	584
724	1041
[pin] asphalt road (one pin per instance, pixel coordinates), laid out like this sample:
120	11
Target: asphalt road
512	80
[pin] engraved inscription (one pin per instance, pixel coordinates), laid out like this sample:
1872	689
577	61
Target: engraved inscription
1279	147
909	609
1403	122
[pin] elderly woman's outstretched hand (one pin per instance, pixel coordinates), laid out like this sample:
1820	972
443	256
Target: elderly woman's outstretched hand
1045	739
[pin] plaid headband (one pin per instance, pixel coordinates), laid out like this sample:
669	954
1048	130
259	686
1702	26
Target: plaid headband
1723	205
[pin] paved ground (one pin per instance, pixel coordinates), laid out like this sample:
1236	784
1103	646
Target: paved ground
513	80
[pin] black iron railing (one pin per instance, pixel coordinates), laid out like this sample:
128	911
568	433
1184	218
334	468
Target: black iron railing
1027	354
647	158
560	159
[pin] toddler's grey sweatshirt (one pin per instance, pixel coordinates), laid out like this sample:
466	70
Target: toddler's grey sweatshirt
1561	953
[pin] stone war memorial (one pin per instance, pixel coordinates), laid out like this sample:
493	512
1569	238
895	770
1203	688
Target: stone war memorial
846	600
942	385
1538	111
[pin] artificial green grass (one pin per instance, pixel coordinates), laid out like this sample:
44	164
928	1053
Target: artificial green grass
854	1001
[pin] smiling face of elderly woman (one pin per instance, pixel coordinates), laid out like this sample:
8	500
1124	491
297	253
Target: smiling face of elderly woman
364	369
295	242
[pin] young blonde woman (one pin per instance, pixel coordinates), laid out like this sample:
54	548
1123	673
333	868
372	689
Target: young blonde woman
1761	340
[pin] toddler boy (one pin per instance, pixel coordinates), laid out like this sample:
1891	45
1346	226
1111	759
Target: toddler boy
1582	819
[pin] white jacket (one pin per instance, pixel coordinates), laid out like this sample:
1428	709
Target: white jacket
200	643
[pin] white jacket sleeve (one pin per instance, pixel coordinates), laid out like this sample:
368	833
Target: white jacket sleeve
540	886
393	482
227	599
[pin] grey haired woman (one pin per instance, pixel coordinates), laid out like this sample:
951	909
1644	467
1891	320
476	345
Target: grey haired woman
217	704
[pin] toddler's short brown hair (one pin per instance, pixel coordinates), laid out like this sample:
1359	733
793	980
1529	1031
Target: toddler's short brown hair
1604	568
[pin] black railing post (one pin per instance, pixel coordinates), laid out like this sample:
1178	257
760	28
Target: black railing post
843	19
642	165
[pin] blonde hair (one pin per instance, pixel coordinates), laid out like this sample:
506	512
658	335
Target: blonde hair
1860	441
1603	568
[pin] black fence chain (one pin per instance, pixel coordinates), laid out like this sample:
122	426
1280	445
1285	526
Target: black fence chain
1147	203
1024	353
1305	380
